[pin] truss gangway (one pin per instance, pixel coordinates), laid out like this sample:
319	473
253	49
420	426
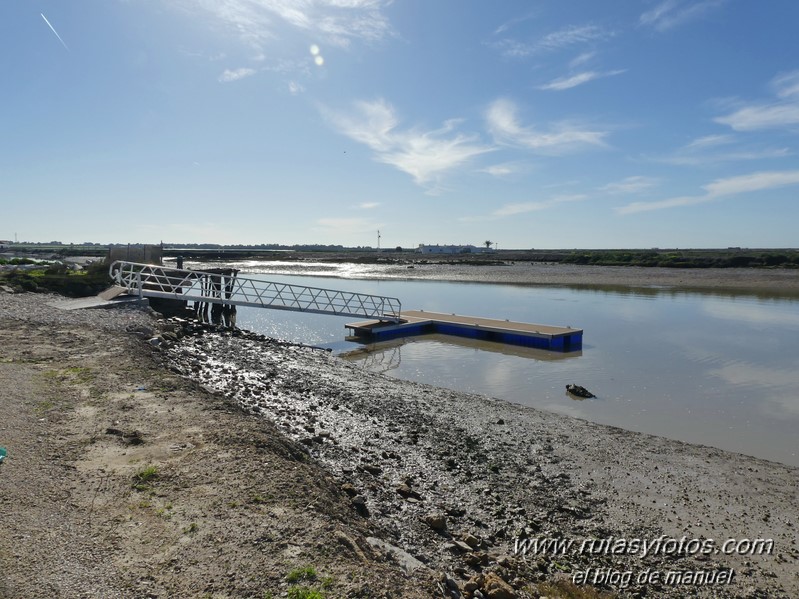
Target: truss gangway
224	286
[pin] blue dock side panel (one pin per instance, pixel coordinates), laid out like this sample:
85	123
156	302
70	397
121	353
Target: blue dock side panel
562	340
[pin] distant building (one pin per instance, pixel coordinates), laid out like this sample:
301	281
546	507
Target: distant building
451	249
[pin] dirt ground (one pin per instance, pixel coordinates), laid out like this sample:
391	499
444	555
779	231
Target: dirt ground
125	480
229	465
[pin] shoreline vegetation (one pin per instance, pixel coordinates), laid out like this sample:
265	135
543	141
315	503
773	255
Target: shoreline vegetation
733	257
763	272
152	457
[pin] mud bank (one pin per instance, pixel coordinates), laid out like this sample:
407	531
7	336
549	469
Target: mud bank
125	479
458	483
755	281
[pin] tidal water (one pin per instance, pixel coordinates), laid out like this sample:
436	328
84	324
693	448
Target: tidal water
709	368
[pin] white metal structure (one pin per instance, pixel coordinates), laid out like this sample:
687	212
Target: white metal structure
148	280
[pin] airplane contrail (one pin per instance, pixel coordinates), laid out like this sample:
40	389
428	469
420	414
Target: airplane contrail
54	31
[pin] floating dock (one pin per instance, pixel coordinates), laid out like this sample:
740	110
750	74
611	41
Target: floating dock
419	322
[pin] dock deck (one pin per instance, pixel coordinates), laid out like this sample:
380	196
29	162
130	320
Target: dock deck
419	322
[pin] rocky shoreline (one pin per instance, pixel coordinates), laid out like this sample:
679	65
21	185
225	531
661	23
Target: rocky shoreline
392	488
456	483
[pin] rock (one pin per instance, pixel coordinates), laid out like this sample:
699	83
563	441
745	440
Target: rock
349	489
496	588
407	492
359	502
474	583
403	558
579	391
371	469
471	540
437	522
141	331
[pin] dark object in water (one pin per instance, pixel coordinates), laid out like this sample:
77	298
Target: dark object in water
579	391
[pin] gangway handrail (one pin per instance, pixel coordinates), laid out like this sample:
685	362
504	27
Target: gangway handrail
225	287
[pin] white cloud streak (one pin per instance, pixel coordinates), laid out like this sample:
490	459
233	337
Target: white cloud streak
557	40
337	22
706	150
572	35
55	32
571	81
772	115
513	22
635	184
581	59
709	141
719	189
504	170
425	155
235	74
671	13
524	207
564	137
765	116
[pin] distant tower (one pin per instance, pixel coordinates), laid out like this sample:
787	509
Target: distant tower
378	239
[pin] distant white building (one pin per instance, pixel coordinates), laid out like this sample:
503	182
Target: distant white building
452	249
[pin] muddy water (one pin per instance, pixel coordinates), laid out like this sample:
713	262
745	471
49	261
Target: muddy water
711	368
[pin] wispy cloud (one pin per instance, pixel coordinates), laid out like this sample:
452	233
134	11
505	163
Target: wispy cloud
635	184
563	137
572	35
708	141
714	149
719	189
557	40
581	59
525	207
368	205
235	74
521	208
786	85
672	13
769	115
425	155
513	22
335	22
577	79
505	169
55	32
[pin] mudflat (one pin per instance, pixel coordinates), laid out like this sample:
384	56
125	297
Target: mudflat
160	458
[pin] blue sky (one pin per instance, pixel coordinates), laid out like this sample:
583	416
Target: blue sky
560	124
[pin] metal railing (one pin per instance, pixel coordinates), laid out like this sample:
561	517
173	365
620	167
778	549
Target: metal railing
224	286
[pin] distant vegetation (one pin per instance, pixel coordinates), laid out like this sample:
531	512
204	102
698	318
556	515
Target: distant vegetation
58	278
669	258
730	258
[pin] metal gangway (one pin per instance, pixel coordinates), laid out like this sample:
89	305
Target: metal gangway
224	286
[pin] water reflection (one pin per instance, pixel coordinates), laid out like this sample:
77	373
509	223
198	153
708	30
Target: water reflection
387	355
719	369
